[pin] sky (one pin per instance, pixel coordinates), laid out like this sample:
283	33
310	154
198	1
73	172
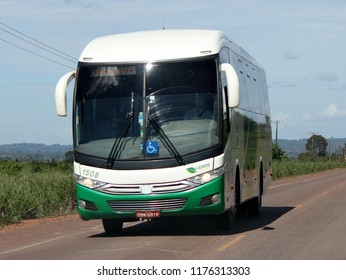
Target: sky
300	43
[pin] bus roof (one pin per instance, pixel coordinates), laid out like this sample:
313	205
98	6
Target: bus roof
146	46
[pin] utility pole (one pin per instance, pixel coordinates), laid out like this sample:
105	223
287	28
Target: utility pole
312	140
277	130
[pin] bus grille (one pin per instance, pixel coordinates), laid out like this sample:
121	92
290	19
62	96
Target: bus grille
156	188
140	205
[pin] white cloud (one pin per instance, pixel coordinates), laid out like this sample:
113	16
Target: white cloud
291	56
333	111
286	84
85	5
328	76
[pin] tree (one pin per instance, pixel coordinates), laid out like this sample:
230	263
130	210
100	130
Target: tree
317	145
278	153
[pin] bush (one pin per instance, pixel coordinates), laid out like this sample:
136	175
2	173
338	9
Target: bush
10	167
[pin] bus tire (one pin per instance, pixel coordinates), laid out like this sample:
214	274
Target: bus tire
112	226
226	220
254	206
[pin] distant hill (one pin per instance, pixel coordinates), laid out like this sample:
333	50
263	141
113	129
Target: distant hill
295	147
31	151
292	147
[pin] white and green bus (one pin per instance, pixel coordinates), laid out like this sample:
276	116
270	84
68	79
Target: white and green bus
168	123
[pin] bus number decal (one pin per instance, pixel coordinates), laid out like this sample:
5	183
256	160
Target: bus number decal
90	173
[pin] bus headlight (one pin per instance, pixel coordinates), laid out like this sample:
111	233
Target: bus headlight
87	182
207	177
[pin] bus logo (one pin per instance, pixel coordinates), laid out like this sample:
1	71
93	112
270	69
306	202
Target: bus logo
146	189
191	170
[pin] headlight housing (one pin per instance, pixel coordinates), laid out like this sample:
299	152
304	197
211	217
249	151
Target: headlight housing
207	176
88	182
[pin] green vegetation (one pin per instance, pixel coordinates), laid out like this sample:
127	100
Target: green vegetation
278	154
288	168
35	189
315	159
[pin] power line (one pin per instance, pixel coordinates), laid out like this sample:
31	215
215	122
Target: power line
35	40
51	60
289	128
38	46
293	130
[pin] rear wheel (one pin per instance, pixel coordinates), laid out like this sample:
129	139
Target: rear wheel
112	226
254	206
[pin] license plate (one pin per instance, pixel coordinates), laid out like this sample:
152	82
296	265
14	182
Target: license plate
148	214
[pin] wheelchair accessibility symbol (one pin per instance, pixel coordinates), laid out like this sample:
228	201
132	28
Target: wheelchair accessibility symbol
152	147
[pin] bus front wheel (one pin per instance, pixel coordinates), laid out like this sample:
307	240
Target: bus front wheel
112	226
226	220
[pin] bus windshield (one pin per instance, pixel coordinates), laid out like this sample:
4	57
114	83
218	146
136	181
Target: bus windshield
145	111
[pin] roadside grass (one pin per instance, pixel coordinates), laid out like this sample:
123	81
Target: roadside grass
30	190
35	190
290	168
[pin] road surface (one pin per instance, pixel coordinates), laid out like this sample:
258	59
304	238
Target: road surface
302	218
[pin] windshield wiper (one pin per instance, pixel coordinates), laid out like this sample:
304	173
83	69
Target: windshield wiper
168	142
114	153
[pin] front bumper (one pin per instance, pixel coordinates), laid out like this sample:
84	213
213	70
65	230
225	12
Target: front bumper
198	201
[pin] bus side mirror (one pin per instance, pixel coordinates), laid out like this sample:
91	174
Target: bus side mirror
233	93
60	93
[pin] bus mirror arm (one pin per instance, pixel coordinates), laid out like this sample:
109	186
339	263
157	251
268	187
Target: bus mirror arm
60	93
233	93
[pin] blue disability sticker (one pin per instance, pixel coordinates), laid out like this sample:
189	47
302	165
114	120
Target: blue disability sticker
152	147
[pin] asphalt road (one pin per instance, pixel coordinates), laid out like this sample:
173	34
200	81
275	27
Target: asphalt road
302	218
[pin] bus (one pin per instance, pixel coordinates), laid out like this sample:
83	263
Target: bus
168	123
